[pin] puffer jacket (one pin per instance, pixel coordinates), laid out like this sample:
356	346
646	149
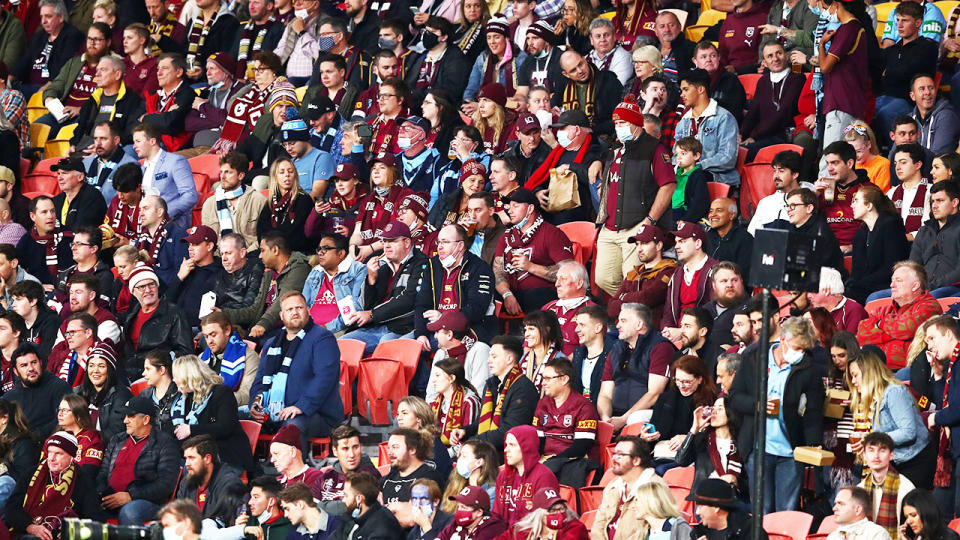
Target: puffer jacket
110	412
239	289
224	481
155	472
167	328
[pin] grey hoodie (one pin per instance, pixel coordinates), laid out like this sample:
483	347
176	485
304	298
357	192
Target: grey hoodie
939	130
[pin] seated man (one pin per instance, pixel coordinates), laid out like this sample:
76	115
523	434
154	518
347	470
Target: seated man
786	178
152	323
647	282
851	510
234	207
297	501
774	105
487	227
197	275
286	455
413	213
37	391
160	238
207	480
50	47
10	231
111	103
86	247
228	355
373	520
522	475
29	302
345	446
566	423
590	358
140	467
451	332
938	240
632	466
528	256
167	108
607	53
306	353
724	86
803	217
711	124
105	155
935	115
122	225
911	198
68	359
893	326
883	481
78	203
588	89
408	452
239	280
721	513
572	283
690	285
335	286
313	166
637	369
728	295
83	291
266	517
209	111
165	174
11	273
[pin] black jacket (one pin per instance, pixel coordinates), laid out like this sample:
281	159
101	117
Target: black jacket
736	246
475	292
39	402
84	497
167	328
220	37
22	458
938	250
693	451
127	110
87	208
805	381
364	35
528	164
155	472
220	420
682	49
739	527
828	248
449	202
188	293
43	333
224	483
721	333
240	288
110	411
293	230
101	271
637	188
394	308
607	95
579	356
69	42
378	523
33	258
874	254
519	404
729	93
452	75
163	409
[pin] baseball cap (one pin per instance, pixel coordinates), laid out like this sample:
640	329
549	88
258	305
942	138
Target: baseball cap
140	405
418	121
69	164
572	117
527	123
6	175
387	159
688	229
200	233
521	195
647	233
395	229
546	497
346	171
474	496
450	319
320	106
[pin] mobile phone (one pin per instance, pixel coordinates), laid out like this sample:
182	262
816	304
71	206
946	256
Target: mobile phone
364	131
414	10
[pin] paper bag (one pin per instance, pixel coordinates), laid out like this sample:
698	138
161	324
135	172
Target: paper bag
564	194
833	408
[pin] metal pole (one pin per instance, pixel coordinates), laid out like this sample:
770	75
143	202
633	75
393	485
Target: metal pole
760	416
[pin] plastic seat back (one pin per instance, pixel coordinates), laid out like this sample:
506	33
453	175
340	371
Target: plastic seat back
252	431
756	183
718	190
587	518
568	494
351	352
792	524
346	389
946	303
208	164
382	457
44	182
955	525
138	386
607	477
767	153
405	351
590	497
39	134
679	476
380	387
680	494
749	82
583	236
828	525
874	306
24	167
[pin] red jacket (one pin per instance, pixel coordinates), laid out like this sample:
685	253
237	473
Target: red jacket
514	496
893	327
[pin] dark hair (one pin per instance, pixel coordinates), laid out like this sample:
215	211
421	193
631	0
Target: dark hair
176	59
399	87
80	410
914	11
690	144
31	290
951	160
510	162
595	312
17	323
641	449
218	318
114	130
914	150
183	509
454	367
448	112
90	281
396	25
902	120
341	433
843	149
89	392
788	159
413	439
823	325
268	484
205	446
871	193
928	511
236	161
32	207
951	187
24	349
340	242
511	344
104	30
755	305
860	497
485	196
547	325
87	321
878	438
364	484
338	61
655	78
151	131
701	315
706	392
470	132
562	365
276	239
298	492
160	358
697	77
94	235
271	61
807	196
443	25
127	177
10	252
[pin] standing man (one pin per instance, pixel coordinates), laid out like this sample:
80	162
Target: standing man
690	284
712	125
588	89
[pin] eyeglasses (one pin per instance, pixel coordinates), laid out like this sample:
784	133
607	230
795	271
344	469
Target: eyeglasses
71	333
63	409
146	286
261	69
324	249
794	206
385	96
96	39
79	244
448	242
622	454
685	382
550	377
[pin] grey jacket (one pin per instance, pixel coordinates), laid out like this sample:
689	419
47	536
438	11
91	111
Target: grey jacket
292	277
800	19
939	130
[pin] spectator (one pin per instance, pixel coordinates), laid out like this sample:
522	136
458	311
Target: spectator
338	213
37	391
419	163
197	275
110	103
675	49
791	25
49	48
139	65
84	291
728	240
298	46
207	480
542	339
943	167
522	476
572	283
720	512
100	387
878	451
793	375
648	68
210	110
937	119
722	86
101	168
737	49
299	507
742	333
181	517
21	460
845	71
786	178
861	137
10	231
845	180
357	71
620	508
345	445
690	199
228	355
86	247
415	413
590	357
442	66
165	174
599	91
139	467
153	323
408	450
161	390
379	207
712	125
906	130
847	313
41	321
911	198
428	519
850	511
167	109
234	207
160	238
487	227
509	398
637	369
523	158
288	205
470	279
506	61
696	329
607	53
412	212
286	455
803	216
167	33
456	403
932	26
78	204
471	355
689	284
920	513
334	288
877	245
711	448
774	106
313	404
934	245
647	282
473	520
285	270
679	406
550	515
73	416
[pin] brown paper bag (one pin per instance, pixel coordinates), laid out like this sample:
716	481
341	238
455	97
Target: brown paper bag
564	194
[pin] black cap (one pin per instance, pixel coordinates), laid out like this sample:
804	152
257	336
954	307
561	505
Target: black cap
140	405
418	121
521	195
715	492
69	164
320	106
572	117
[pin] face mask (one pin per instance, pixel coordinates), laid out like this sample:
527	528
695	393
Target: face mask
216	86
357	149
833	19
563	139
430	40
543	54
356	513
170	533
448	261
815	10
624	133
387	44
463	469
404	143
325	43
382	191
463	517
791	356
555	520
301	13
522	223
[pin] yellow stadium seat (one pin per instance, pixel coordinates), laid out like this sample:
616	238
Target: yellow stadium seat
947	6
883	11
66	132
39	134
36	100
695	32
35	112
301	91
711	17
608	15
56	149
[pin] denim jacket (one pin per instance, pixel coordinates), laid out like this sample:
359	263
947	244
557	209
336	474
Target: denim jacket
897	416
476	73
718	134
348	282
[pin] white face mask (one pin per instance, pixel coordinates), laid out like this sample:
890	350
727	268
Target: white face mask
563	139
404	143
792	356
301	13
448	261
170	533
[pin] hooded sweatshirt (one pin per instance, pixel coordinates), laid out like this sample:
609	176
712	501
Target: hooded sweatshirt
939	130
514	497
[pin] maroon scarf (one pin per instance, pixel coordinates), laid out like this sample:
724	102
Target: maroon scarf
242	115
491	72
915	214
944	471
48	496
125	219
50	243
281	209
152	242
734	463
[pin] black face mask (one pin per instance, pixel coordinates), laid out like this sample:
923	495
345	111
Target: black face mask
430	40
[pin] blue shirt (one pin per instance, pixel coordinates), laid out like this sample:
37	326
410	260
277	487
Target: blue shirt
933	25
314	165
777	442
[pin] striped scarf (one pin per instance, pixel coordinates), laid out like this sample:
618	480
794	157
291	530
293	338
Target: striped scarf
197	36
491	410
231	363
255	33
163	28
887	513
951	57
734	462
276	394
530	367
863	423
50	243
470	36
588	106
223	207
152	242
281	207
451	420
944	471
491	71
915	214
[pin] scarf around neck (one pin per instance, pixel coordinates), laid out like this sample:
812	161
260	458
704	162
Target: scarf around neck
542	174
223	207
232	362
152	242
887	514
50	243
734	462
944	470
492	406
276	395
588	106
451	420
49	496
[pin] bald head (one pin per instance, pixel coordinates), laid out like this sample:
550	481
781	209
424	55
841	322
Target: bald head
723	212
575	66
152	210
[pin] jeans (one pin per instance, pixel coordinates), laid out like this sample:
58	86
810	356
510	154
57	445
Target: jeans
373	336
782	479
137	511
7	484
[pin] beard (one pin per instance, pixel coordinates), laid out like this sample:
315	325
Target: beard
195	480
728	302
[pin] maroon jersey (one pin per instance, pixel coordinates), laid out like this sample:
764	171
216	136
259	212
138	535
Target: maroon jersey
450	293
544	244
374	213
839	213
425	239
576	418
567	315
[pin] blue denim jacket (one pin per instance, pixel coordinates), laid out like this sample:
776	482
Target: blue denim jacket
718	135
897	416
476	74
349	281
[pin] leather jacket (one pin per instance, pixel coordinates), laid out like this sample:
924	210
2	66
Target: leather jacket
240	288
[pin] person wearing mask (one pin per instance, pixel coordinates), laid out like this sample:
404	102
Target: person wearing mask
440	66
370	519
210	109
357	64
542	65
265	518
473	520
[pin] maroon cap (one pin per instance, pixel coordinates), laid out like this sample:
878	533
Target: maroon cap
546	497
470	168
346	171
450	319
416	203
495	92
527	123
225	61
288	435
386	158
395	229
688	229
647	233
474	496
200	233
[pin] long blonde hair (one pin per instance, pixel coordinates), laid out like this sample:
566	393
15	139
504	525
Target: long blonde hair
654	499
875	377
496	123
919	342
428	420
532	524
196	375
275	186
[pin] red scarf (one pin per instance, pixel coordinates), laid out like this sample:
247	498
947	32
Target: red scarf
493	405
451	420
124	220
152	242
50	243
734	464
281	209
243	113
542	174
944	471
48	496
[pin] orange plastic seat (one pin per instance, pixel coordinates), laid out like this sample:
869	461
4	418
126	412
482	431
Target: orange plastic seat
380	387
756	182
583	236
632	429
718	190
208	164
679	476
384	469
351	352
749	82
874	306
569	494
828	525
43	182
43	166
604	436
24	167
945	303
406	351
607	477
680	494
252	430
767	153
138	386
382	457
346	389
590	497
955	525
587	518
791	524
